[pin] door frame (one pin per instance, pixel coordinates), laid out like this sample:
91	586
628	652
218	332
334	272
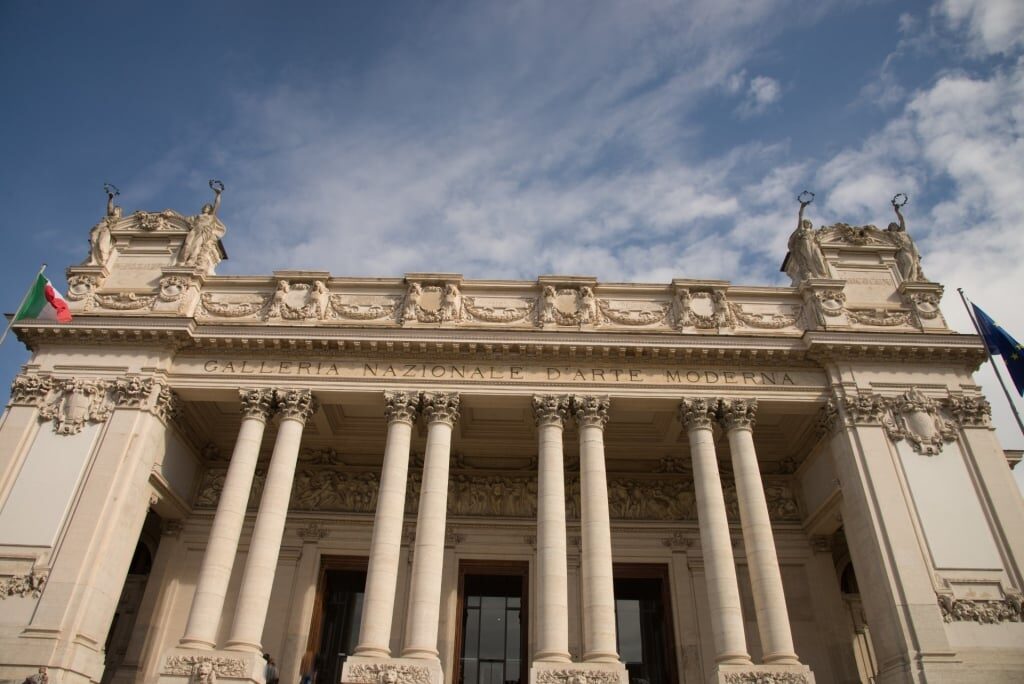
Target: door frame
656	571
316	623
502	568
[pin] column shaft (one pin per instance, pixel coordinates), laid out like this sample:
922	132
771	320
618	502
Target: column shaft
265	545
552	565
222	546
441	411
758	540
716	543
599	643
386	543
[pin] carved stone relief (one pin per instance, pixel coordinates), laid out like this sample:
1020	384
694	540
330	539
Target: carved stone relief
432	303
702	309
571	676
765	677
76	402
388	673
986	612
917	419
476	309
765	321
23	586
568	306
971	411
638	313
187	665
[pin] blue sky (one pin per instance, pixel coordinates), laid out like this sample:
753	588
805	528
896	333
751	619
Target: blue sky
632	141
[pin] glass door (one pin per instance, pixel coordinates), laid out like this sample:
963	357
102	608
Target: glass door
341	609
493	628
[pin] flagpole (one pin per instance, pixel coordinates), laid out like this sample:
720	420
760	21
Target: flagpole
995	367
10	323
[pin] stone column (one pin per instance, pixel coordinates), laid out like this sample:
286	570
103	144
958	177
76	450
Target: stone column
441	410
295	407
386	544
716	545
552	566
215	572
737	417
591	414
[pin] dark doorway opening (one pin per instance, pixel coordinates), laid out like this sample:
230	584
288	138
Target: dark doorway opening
336	616
643	619
492	628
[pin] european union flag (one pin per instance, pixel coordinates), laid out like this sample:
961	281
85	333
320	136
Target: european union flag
1001	342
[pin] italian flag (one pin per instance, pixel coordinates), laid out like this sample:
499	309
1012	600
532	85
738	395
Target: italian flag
43	301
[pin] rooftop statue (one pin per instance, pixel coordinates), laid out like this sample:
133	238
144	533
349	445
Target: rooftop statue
908	259
200	246
100	239
804	246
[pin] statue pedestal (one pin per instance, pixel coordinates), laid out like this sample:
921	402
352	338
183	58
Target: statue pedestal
186	665
368	670
761	674
578	673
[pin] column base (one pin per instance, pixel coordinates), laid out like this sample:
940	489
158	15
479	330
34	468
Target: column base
370	670
177	665
761	674
578	673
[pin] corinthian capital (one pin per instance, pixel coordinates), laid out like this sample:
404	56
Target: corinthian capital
30	390
737	413
590	410
401	406
696	414
550	409
256	402
970	411
441	407
296	404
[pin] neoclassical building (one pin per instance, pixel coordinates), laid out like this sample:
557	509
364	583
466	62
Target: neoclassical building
432	479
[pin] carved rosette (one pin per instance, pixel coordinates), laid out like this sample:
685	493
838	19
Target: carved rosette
986	612
737	414
401	406
441	407
971	411
916	418
295	404
23	586
590	410
550	409
388	673
698	414
256	403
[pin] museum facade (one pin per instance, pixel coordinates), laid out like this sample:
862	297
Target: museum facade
434	479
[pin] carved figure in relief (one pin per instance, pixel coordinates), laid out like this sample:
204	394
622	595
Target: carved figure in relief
206	230
723	317
412	302
587	306
451	304
804	245
203	673
908	259
321	300
682	306
283	288
547	311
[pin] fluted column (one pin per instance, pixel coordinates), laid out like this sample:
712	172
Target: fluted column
550	412
719	566
441	410
591	414
401	411
737	417
222	546
295	407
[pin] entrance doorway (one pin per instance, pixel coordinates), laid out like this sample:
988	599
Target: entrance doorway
336	617
644	623
492	628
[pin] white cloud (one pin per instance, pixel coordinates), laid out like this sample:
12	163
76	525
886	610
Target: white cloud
762	93
994	26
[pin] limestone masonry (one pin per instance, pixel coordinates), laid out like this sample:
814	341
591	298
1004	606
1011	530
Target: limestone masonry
434	479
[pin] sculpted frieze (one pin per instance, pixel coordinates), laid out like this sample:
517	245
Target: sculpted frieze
197	666
378	309
765	677
124	301
496	311
216	308
765	321
639	314
387	673
23	586
573	676
885	318
986	612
